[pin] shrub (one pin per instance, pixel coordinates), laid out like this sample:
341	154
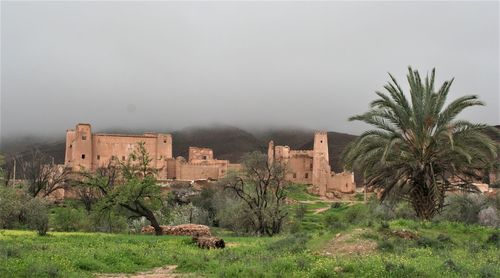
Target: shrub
300	211
451	265
494	239
108	222
404	210
359	196
188	214
381	211
333	222
9	252
444	238
136	225
489	271
37	215
11	206
384	226
489	217
401	270
385	245
69	219
355	214
293	243
464	208
428	242
336	205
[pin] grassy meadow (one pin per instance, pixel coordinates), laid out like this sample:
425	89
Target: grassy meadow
323	240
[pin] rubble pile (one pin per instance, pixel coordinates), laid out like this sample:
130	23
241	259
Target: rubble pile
180	230
209	242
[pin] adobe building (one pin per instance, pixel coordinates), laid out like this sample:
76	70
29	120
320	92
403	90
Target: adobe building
90	151
313	167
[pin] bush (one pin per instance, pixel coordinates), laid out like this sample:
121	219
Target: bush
489	271
333	222
464	208
494	239
11	203
355	214
451	265
108	222
385	245
300	212
336	205
489	217
67	219
37	215
188	214
429	242
294	244
444	238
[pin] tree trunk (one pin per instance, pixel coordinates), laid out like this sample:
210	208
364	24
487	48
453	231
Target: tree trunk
150	216
424	202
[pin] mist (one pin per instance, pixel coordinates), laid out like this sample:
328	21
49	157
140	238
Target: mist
162	66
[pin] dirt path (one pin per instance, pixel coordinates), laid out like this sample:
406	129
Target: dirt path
159	272
320	210
351	243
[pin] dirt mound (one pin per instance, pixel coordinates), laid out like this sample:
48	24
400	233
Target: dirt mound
180	230
350	244
405	234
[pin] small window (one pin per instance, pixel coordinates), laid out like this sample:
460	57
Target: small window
71	146
123	157
84	137
306	175
204	157
83	156
311	167
165	141
98	157
294	175
321	141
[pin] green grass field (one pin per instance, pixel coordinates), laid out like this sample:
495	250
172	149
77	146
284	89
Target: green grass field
315	250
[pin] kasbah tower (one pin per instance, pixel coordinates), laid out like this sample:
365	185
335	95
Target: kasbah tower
313	167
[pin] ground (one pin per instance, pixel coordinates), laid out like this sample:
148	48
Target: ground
330	240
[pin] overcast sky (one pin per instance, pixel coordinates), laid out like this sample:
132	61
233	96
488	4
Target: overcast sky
168	65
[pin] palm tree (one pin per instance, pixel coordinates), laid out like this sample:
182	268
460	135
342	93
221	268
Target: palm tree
419	149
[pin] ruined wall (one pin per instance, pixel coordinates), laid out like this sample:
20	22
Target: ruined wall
343	182
187	171
200	154
300	166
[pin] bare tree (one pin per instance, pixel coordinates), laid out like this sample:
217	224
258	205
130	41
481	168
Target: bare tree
41	175
261	187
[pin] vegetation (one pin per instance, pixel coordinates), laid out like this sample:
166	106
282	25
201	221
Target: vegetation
420	150
130	187
447	249
261	187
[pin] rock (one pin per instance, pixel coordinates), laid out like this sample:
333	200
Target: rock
338	269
